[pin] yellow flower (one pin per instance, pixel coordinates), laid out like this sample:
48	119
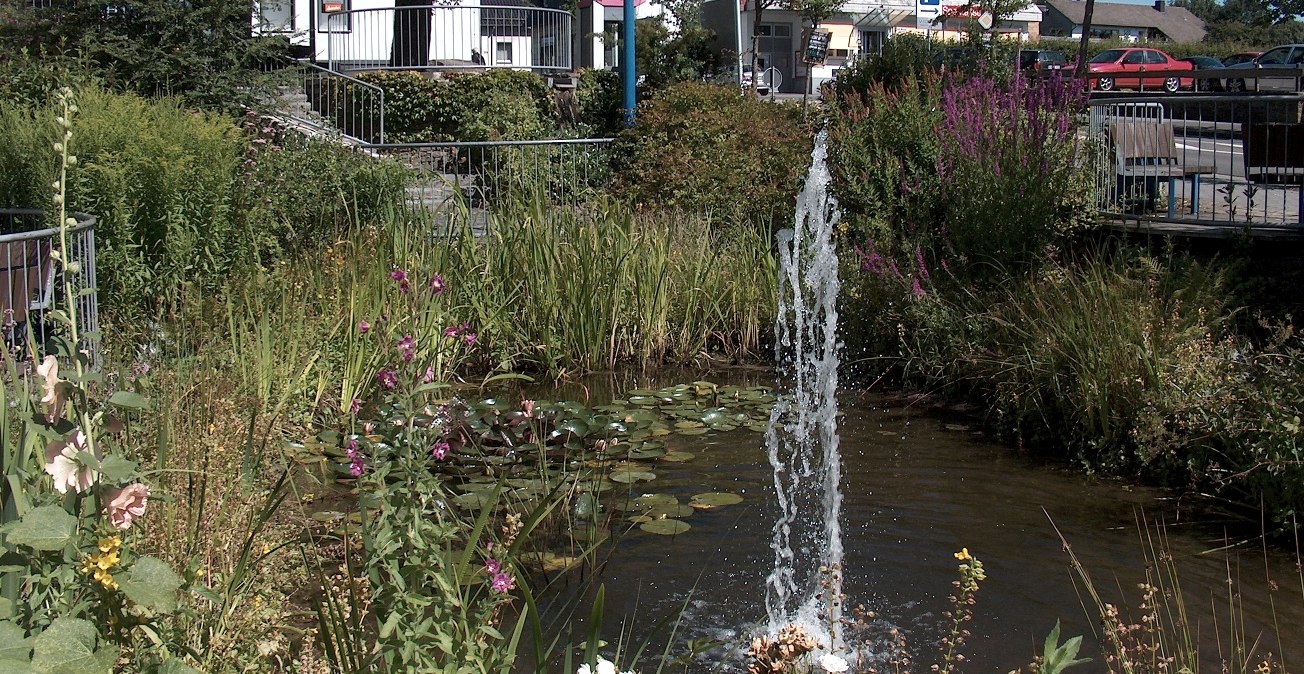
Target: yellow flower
963	555
107	560
110	543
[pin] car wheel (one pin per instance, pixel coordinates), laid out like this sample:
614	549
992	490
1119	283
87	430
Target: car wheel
1105	84
1172	84
1235	85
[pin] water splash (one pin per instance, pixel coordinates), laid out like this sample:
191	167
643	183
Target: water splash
802	437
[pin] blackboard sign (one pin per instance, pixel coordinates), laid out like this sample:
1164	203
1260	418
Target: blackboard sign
817	46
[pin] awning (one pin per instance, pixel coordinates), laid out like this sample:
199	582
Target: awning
842	36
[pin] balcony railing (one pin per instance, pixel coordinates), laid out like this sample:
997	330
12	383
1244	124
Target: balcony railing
435	37
1222	160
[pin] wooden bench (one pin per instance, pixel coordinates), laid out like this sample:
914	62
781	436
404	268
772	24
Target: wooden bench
1275	153
1145	149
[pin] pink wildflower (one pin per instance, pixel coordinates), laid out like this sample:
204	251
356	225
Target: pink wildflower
469	338
355	407
398	275
503	582
916	289
429	376
387	378
440	450
123	506
363	327
491	566
436	284
408	347
527	407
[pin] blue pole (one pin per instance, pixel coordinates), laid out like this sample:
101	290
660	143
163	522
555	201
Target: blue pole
628	64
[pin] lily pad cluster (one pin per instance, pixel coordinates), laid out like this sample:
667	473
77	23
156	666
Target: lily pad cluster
533	448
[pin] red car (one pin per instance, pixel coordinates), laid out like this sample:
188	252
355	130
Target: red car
1137	69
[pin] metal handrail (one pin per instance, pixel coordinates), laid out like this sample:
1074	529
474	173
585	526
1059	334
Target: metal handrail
307	81
491	143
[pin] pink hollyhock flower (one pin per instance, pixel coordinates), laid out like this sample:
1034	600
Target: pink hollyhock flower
502	582
55	395
124	506
64	463
387	378
440	450
436	284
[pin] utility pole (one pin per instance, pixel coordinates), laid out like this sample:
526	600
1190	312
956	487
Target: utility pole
628	64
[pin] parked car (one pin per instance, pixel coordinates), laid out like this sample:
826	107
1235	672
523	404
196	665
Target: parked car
1042	60
765	84
1285	56
1206	63
1240	57
1136	68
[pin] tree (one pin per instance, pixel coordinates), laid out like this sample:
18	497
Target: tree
1081	70
200	49
667	56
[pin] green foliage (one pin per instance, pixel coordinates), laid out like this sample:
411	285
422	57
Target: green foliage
600	99
707	148
1057	657
498	104
667	57
199	50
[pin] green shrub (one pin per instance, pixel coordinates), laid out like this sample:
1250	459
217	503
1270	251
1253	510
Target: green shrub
707	148
500	104
601	101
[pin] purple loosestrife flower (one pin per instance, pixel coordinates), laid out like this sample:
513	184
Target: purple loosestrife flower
387	378
440	450
436	284
503	582
407	346
916	289
919	262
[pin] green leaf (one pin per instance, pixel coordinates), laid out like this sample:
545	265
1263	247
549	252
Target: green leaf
176	666
153	584
16	666
67	646
128	400
14	644
117	469
44	528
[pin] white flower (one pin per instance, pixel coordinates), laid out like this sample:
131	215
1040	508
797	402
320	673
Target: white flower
833	664
64	463
604	666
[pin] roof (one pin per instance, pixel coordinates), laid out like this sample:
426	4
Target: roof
1178	23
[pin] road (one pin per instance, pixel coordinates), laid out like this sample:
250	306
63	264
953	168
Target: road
1223	154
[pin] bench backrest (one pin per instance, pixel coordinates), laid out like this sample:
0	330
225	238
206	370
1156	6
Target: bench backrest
1142	142
26	279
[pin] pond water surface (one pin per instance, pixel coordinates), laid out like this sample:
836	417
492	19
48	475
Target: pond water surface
920	485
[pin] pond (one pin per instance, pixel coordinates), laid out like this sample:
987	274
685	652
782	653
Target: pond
919	485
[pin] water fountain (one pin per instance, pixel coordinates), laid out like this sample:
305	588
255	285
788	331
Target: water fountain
802	438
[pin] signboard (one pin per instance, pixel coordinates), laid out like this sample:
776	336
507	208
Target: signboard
817	46
332	6
926	12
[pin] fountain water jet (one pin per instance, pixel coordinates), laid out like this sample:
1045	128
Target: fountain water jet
802	437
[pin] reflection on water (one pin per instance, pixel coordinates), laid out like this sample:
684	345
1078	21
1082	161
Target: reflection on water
918	487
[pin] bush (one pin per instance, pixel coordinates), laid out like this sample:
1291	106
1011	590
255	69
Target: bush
601	101
500	104
184	199
708	148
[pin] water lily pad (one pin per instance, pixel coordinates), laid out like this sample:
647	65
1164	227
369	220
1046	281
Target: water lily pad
714	500
549	561
631	476
649	501
692	431
474	500
678	457
688	424
640	519
670	510
666	527
644	454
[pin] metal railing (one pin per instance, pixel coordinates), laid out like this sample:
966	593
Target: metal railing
321	100
31	286
1202	159
1257	79
437	37
483	176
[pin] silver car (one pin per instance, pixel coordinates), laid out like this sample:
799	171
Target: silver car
1285	57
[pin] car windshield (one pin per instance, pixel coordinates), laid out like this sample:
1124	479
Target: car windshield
1108	56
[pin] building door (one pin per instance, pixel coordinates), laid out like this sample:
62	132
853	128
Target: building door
871	41
411	46
774	50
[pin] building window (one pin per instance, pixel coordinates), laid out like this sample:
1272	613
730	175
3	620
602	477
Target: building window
276	15
502	53
337	20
